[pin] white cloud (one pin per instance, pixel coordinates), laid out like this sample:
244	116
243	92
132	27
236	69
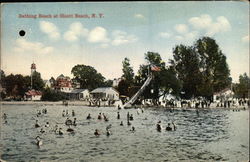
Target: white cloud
120	37
24	46
245	39
50	29
178	37
202	22
98	35
139	16
205	22
191	35
181	28
76	30
165	35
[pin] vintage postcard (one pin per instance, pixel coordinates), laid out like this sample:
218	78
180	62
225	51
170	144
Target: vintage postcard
125	81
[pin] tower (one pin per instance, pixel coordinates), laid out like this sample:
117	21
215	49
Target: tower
33	69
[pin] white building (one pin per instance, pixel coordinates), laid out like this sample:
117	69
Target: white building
105	93
79	94
225	94
33	95
63	84
116	82
47	84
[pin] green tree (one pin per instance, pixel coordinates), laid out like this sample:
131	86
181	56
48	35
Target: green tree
2	85
2	76
213	66
154	59
186	64
164	80
242	88
127	81
16	85
123	87
37	81
87	76
128	72
202	68
52	95
169	82
108	83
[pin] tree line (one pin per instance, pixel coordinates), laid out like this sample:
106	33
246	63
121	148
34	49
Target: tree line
194	71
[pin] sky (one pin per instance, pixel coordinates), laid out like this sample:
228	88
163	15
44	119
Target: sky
59	36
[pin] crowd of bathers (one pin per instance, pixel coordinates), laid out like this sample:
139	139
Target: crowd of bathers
72	123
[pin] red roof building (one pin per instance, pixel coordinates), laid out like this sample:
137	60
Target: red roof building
63	84
33	95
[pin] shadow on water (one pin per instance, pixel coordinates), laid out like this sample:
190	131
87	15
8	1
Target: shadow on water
207	135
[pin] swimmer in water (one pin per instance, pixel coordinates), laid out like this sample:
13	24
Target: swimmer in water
68	121
4	116
47	124
63	113
55	129
74	122
38	141
97	133
118	115
42	131
60	131
70	130
168	128
99	116
131	117
133	129
174	126
108	133
128	116
158	126
37	125
105	118
88	117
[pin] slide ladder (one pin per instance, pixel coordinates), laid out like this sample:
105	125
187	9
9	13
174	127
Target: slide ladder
138	93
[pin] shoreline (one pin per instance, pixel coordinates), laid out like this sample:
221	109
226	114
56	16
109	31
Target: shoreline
51	103
103	104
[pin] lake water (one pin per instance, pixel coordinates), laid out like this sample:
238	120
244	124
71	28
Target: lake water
213	135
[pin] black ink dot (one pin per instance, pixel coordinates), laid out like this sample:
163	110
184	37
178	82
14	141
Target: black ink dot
22	33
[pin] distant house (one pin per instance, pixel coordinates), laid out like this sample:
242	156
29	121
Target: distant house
225	94
63	84
78	94
49	83
116	82
33	95
105	93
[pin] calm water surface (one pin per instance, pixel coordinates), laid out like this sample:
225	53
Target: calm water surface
213	135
